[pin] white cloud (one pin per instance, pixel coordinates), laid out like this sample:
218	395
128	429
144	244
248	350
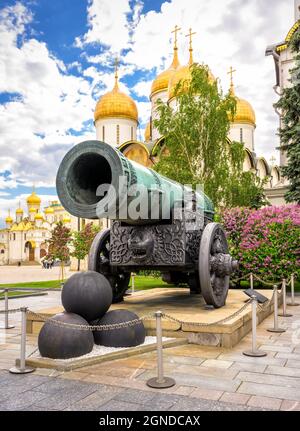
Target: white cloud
142	88
34	127
108	24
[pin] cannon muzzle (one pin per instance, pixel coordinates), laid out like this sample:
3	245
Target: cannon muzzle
92	164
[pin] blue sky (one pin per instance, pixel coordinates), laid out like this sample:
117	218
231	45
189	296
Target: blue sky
56	60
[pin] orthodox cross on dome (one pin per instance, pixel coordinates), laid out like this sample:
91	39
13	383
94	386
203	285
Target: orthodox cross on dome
116	73
231	72
175	31
190	36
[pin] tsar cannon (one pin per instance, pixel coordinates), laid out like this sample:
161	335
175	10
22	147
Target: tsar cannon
155	223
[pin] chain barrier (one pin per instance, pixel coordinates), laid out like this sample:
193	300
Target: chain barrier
90	327
11	311
202	324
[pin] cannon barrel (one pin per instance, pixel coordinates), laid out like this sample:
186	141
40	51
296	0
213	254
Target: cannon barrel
91	164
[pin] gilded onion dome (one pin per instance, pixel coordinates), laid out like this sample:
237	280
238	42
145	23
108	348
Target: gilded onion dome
33	199
66	219
38	216
116	104
161	82
183	73
245	113
49	210
19	211
147	134
32	210
9	218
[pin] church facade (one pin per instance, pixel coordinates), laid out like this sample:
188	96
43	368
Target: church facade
116	123
284	62
24	239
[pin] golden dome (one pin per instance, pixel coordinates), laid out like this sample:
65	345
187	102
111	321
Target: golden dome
32	210
184	74
49	210
8	219
147	133
244	114
116	104
38	216
19	211
66	219
161	82
33	199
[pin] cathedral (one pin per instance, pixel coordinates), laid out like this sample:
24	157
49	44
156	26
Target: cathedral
116	122
25	237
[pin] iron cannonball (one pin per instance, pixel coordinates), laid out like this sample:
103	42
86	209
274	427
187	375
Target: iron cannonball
129	336
59	342
88	294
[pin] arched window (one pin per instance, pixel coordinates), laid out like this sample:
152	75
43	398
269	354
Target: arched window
103	133
132	133
118	134
2	251
241	136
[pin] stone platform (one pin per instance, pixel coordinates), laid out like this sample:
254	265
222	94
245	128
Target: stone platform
189	309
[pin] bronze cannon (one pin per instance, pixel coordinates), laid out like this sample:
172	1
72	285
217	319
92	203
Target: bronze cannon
155	223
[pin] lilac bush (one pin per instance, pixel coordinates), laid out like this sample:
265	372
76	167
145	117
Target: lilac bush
266	241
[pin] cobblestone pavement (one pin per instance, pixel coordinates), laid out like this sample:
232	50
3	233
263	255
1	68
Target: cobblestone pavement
207	378
22	274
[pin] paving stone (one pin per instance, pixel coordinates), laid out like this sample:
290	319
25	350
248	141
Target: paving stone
67	397
183	390
276	348
292	356
183	360
216	363
206	394
56	385
234	398
265	402
135	396
269	379
259	361
282	371
271	391
114	405
24	400
245	366
96	399
207	371
290	405
202	381
293	364
192	404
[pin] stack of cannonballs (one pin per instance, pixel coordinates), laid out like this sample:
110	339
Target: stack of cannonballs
86	298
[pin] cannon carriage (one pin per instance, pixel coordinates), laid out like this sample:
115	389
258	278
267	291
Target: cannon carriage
155	223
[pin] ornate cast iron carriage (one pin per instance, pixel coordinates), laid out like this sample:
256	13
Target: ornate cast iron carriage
187	247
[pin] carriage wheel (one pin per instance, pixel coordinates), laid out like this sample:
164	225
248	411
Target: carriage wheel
215	265
98	261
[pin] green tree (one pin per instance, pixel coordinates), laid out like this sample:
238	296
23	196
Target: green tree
59	246
82	241
196	139
289	105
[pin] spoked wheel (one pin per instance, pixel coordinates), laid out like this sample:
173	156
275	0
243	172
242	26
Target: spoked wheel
99	261
215	265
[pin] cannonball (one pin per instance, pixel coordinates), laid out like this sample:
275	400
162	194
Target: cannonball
59	342
88	294
128	336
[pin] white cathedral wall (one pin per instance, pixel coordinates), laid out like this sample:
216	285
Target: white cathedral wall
116	130
163	96
247	134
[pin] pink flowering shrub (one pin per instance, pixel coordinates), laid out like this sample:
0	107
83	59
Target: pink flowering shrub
266	241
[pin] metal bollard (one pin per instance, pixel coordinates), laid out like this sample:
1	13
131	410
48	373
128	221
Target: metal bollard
6	324
284	313
293	303
160	382
255	353
132	283
22	369
276	328
251	282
